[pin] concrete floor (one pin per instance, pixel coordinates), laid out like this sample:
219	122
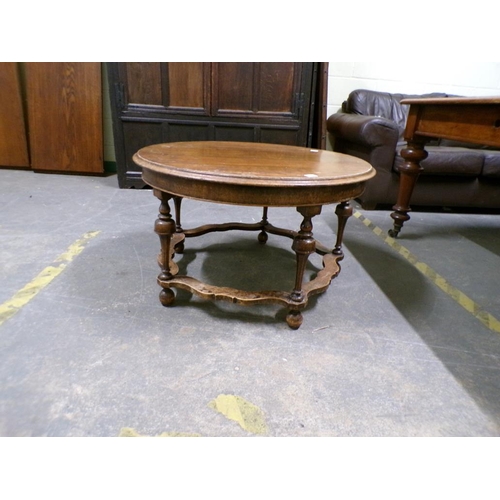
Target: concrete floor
384	352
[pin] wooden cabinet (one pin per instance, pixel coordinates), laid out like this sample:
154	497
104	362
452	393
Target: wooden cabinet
280	103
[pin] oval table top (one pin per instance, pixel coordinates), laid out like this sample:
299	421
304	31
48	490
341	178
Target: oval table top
253	173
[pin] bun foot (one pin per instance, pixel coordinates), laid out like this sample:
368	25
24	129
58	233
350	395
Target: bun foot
167	297
262	237
294	319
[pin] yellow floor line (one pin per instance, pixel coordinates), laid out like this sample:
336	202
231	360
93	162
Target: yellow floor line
466	302
23	296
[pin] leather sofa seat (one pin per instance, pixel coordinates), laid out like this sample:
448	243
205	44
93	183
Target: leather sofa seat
491	167
442	161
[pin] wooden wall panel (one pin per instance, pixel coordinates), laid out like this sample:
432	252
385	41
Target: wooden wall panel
276	93
234	86
186	85
13	140
144	83
65	117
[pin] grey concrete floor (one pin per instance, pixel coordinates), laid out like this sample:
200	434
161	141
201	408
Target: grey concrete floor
384	352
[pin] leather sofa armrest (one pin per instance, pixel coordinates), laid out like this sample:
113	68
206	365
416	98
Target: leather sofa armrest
368	131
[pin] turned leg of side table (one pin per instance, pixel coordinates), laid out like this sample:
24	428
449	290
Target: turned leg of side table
413	154
165	228
304	245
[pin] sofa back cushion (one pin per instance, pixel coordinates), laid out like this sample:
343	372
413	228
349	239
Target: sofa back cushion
374	103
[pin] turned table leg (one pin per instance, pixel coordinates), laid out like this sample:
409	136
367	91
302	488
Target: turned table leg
179	248
343	211
165	228
303	245
413	154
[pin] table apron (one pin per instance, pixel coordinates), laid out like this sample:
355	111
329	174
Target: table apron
468	123
261	196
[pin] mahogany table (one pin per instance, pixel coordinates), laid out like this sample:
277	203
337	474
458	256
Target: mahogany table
468	119
251	174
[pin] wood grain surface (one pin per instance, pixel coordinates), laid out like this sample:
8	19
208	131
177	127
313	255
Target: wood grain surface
13	139
65	116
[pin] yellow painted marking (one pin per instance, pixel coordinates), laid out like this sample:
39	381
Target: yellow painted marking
23	296
249	417
466	302
129	432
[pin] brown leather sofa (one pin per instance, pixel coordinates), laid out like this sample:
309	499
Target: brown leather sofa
370	125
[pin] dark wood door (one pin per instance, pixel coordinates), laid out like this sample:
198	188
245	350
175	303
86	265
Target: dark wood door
235	101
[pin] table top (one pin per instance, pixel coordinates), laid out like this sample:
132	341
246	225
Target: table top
253	163
249	173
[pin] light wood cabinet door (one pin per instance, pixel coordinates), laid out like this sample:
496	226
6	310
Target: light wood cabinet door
13	138
64	103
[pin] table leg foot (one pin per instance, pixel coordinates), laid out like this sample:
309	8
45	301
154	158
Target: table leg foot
393	233
399	216
167	297
294	319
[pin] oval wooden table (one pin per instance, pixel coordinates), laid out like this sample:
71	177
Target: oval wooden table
251	174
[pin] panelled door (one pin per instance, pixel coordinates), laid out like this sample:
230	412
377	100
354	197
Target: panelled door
232	101
64	101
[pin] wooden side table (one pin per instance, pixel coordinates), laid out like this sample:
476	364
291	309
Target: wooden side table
468	119
251	174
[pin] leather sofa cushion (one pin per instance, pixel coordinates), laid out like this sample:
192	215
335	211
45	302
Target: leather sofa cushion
452	161
491	166
491	161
